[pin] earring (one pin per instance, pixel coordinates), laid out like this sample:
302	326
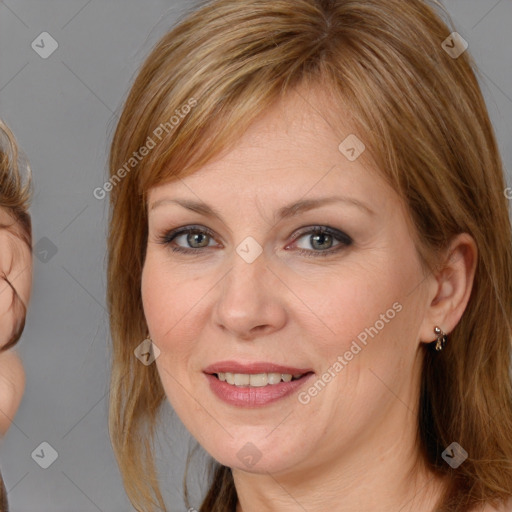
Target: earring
441	338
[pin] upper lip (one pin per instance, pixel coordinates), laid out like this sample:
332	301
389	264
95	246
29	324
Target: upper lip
253	368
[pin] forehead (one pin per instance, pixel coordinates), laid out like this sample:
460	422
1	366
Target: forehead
291	151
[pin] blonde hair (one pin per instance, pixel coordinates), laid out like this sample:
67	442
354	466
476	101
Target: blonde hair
422	117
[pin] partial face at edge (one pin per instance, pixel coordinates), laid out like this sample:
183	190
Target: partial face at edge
16	264
299	309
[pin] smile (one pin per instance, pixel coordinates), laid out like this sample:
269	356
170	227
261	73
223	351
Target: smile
256	379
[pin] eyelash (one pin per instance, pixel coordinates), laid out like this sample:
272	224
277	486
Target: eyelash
345	240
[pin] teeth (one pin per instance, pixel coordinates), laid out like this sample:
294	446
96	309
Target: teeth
241	379
255	380
273	378
259	380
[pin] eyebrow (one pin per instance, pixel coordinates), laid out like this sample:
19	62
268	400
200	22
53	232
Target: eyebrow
285	212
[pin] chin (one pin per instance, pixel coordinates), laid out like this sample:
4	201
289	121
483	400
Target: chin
255	454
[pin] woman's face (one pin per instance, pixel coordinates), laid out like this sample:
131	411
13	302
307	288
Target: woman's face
346	311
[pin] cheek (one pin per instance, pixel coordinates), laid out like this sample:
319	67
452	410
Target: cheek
166	297
166	303
370	351
171	300
372	321
358	305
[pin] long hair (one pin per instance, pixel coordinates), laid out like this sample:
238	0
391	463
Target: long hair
423	120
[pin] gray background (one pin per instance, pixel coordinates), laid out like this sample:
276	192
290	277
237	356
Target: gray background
63	110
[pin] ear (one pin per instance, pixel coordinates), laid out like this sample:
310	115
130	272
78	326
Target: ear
15	279
449	287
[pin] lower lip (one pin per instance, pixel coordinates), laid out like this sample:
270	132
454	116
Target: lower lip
245	396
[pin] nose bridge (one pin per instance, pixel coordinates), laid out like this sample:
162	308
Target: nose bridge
247	300
243	286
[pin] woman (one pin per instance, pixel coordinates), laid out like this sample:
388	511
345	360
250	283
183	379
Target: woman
16	272
310	260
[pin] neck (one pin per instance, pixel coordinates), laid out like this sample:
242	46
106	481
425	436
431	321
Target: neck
382	471
328	490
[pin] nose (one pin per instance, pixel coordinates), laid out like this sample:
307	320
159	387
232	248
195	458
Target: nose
251	299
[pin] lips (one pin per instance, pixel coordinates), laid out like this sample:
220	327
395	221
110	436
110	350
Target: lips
250	385
253	368
247	396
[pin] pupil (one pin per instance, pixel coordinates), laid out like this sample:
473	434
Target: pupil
320	236
194	236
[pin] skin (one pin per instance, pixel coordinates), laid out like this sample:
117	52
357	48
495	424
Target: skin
358	434
16	263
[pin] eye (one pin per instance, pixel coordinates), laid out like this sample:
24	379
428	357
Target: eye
197	237
321	238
